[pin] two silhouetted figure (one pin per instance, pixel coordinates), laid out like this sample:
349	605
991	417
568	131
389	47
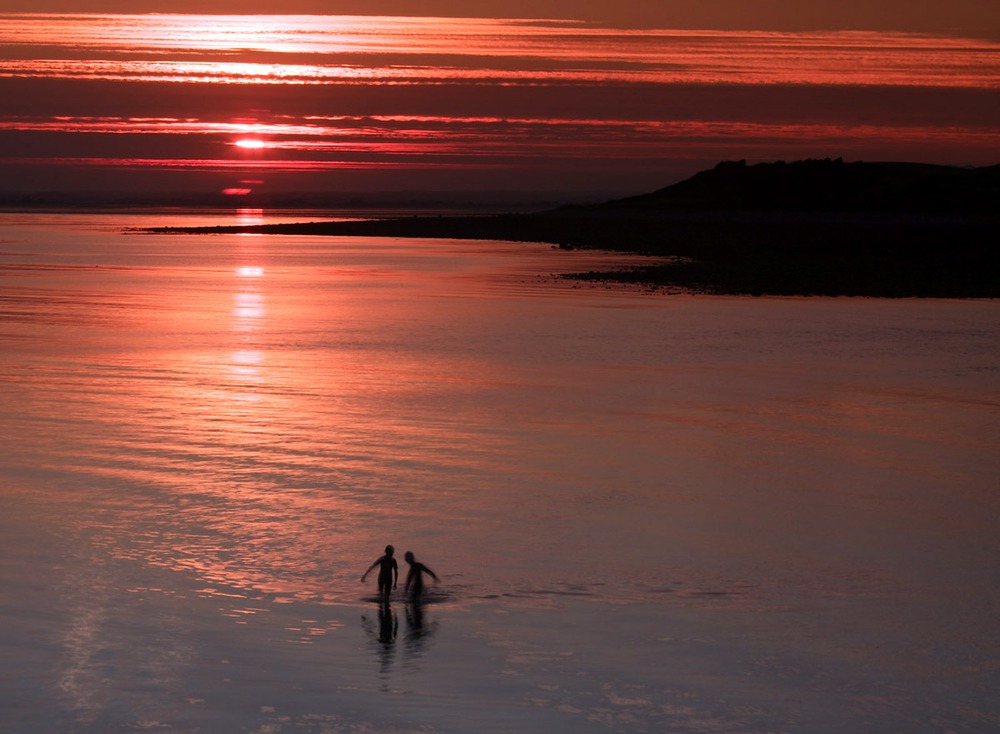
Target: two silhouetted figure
388	575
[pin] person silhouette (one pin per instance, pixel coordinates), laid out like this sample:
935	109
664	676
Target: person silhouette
415	578
388	573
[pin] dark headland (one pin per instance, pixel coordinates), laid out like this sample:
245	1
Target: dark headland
812	227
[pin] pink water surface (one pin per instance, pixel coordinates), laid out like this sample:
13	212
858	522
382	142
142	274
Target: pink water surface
648	512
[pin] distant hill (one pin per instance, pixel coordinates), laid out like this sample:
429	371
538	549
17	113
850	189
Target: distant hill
827	185
813	227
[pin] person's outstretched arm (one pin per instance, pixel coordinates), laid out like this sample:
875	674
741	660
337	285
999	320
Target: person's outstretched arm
365	574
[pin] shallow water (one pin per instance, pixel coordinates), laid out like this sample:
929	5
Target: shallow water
648	512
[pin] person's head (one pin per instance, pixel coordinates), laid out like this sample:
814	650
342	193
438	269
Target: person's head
389	550
409	556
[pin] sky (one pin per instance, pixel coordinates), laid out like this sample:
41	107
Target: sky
561	98
936	16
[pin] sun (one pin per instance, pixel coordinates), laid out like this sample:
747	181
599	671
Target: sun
250	144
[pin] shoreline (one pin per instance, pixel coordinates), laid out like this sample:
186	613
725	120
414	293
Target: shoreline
866	254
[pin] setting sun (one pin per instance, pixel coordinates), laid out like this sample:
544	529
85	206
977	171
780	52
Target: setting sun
250	144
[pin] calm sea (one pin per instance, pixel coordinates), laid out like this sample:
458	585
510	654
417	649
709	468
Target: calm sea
647	512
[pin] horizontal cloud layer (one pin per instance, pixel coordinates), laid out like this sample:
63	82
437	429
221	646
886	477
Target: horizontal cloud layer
329	93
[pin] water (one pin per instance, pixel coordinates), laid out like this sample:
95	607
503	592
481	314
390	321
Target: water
648	512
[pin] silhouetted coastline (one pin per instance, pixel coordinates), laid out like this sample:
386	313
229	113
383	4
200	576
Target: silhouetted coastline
814	227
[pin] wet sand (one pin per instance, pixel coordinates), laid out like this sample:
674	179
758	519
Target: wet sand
162	654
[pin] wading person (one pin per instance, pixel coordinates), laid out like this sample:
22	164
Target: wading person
415	578
388	572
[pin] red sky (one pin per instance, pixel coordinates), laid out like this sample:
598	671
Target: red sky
959	16
629	100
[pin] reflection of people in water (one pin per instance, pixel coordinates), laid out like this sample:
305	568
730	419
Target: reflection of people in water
387	624
418	631
388	572
385	636
415	578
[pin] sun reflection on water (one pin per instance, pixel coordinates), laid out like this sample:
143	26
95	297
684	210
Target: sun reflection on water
246	364
244	216
248	309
